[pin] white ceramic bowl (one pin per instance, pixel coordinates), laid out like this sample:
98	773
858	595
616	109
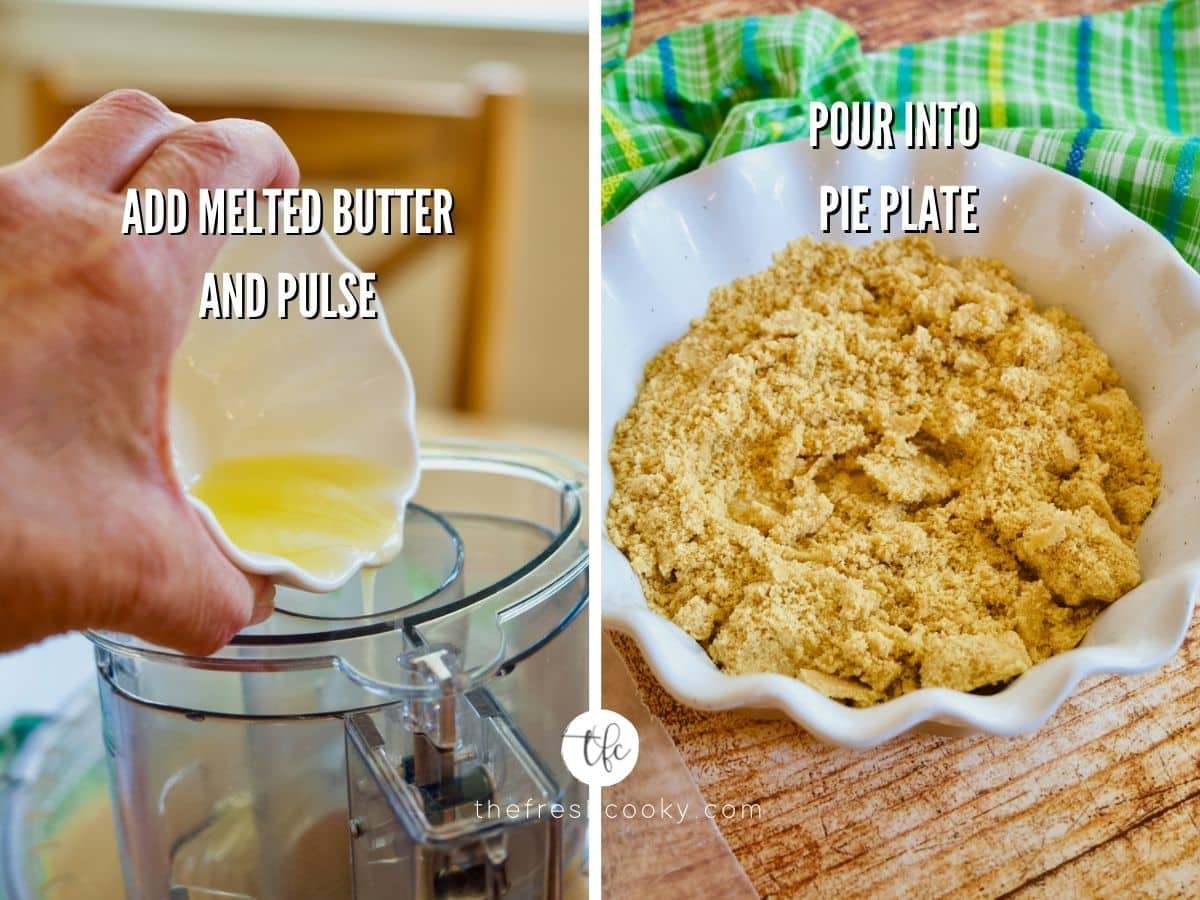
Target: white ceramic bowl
272	386
1068	245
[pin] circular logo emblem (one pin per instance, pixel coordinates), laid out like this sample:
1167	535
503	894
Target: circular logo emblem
600	748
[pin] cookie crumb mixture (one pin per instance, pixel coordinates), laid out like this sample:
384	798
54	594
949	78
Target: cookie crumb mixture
876	470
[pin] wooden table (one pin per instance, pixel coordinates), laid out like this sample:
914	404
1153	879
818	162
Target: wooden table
879	23
1104	800
441	423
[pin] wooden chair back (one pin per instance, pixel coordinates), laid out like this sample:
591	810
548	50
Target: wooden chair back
464	138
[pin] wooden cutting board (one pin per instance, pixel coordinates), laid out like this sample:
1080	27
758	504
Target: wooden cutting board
658	840
1104	800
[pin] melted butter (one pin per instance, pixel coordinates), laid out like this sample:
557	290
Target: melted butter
368	589
322	513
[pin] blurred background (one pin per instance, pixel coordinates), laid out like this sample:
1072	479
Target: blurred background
484	98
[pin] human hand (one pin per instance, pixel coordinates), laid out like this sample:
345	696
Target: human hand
95	531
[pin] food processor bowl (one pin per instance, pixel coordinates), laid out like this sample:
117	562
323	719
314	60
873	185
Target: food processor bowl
396	738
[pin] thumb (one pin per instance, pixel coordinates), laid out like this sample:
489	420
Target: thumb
199	601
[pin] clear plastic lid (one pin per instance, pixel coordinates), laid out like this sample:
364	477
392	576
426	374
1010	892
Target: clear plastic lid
494	564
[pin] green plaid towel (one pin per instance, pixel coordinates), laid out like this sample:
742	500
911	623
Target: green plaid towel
1113	99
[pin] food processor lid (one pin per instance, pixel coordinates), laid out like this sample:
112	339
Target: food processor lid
494	564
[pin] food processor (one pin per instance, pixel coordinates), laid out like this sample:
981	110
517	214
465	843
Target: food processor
398	739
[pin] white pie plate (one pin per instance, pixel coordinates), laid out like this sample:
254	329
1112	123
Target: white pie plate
1068	245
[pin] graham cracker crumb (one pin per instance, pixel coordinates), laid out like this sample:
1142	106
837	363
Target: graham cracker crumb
876	470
